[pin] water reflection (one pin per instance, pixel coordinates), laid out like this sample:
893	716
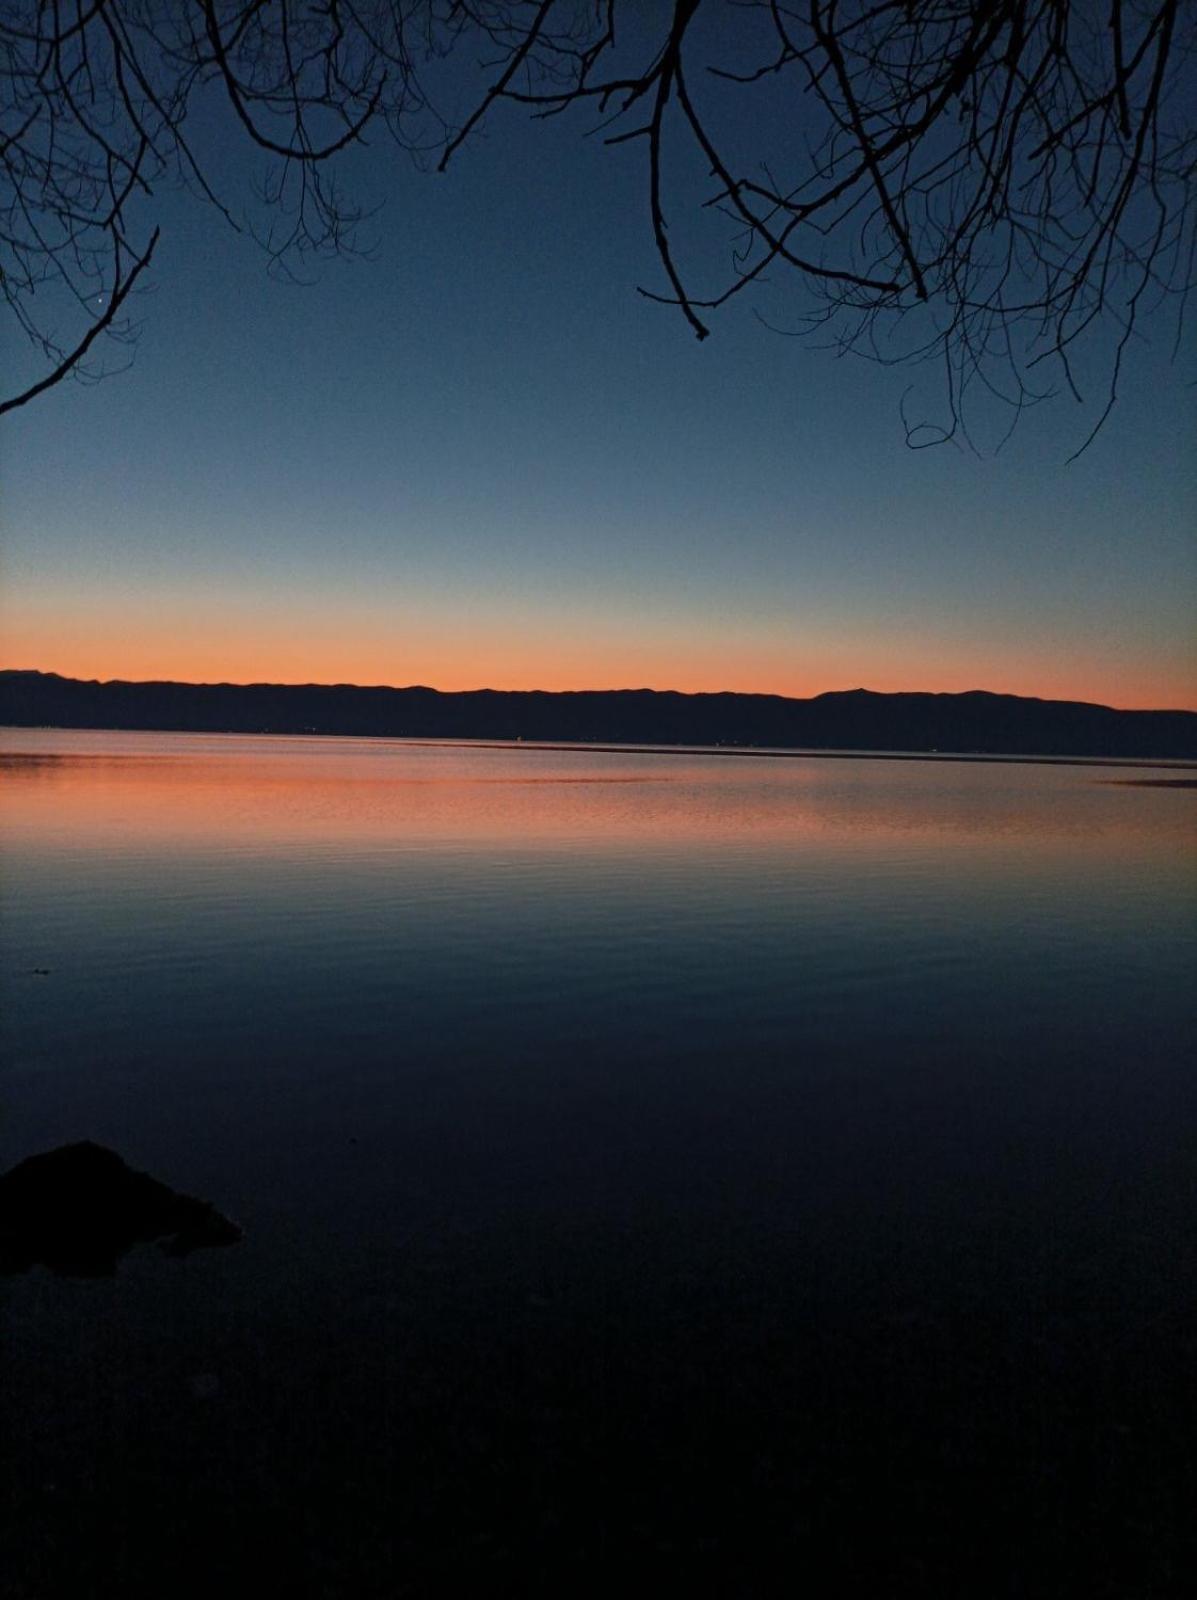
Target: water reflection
275	795
659	1167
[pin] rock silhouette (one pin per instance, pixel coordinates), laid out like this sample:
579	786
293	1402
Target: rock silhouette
79	1208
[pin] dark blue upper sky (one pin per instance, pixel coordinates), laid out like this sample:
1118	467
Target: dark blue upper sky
480	458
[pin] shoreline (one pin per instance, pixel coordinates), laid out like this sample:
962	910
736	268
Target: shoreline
578	746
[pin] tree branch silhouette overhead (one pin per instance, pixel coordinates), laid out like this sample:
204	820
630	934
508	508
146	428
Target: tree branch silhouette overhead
989	185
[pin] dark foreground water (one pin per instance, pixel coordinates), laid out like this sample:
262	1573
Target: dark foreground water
742	1177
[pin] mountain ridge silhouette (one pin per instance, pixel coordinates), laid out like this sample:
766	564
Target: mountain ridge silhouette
974	722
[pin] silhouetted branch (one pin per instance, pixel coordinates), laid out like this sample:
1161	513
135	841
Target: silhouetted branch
122	288
985	184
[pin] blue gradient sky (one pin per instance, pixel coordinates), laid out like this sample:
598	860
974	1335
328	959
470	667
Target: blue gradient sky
481	459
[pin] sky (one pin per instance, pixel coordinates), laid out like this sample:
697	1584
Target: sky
481	459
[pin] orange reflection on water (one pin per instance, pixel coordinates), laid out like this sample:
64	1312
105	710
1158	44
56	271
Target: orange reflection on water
113	792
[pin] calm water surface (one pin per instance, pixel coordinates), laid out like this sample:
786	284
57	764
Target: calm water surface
735	1172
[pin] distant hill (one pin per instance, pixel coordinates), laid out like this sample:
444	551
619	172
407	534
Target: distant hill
856	719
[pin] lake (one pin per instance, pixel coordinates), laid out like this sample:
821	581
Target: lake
742	1175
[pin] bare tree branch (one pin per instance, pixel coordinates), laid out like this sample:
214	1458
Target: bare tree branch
985	185
121	289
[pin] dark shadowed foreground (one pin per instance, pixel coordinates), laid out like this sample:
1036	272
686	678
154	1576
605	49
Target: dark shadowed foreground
731	1178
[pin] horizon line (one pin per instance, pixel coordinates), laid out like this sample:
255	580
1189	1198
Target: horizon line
687	694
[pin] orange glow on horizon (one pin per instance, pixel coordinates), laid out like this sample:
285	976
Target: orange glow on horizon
450	680
216	647
553	675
